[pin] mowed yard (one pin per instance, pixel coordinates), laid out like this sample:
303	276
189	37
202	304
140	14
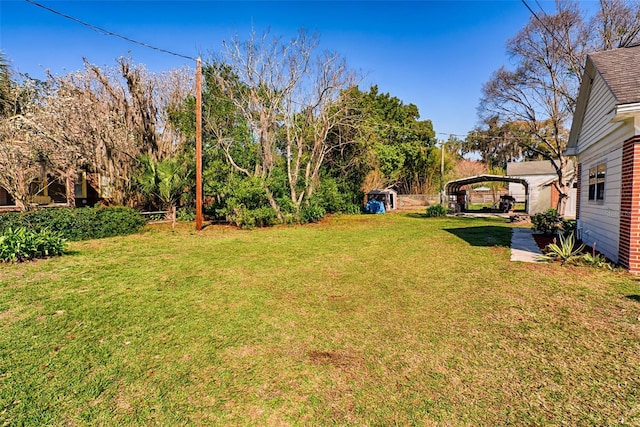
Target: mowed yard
360	320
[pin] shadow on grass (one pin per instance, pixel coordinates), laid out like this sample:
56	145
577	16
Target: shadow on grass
416	215
633	297
486	235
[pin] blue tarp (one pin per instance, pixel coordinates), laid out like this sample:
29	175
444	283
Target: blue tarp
375	207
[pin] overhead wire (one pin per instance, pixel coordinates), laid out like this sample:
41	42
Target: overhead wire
551	33
103	31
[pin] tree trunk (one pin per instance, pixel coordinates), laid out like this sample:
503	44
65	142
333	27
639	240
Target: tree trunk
562	185
71	190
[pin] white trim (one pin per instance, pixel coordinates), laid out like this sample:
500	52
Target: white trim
571	151
625	111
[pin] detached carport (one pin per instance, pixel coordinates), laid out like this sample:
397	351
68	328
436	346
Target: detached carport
454	189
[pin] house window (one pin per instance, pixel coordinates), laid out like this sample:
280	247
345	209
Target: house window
36	188
596	181
80	185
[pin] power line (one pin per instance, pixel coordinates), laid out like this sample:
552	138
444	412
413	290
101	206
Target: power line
551	33
451	134
102	31
544	25
541	8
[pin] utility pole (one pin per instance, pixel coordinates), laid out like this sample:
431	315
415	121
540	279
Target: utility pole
198	144
442	172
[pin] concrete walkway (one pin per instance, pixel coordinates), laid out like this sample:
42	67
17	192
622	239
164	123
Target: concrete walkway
523	247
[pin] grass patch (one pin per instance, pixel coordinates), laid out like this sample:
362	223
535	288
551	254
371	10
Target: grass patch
358	320
518	206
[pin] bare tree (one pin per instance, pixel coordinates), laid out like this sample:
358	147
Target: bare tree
21	148
306	130
96	120
287	95
617	24
19	163
541	92
103	120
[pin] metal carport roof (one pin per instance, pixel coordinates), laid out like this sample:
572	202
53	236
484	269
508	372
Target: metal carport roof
454	186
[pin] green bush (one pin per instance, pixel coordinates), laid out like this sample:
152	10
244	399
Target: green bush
548	222
243	217
596	260
264	217
186	214
312	212
116	221
353	209
331	196
22	244
568	226
242	202
77	224
436	210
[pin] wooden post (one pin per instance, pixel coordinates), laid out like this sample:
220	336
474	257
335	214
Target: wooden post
442	195
198	144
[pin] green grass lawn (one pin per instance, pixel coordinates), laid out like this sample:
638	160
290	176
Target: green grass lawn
361	320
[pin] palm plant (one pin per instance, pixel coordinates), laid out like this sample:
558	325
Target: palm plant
162	181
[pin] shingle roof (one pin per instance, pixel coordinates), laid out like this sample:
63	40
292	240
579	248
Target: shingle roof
540	167
620	70
543	167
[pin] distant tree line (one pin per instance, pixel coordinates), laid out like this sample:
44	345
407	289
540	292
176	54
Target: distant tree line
288	134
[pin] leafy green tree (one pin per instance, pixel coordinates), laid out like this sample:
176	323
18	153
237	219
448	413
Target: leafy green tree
389	145
268	108
499	143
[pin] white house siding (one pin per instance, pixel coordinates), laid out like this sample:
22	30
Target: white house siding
599	112
600	220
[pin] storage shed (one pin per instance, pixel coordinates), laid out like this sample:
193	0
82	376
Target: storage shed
388	196
543	195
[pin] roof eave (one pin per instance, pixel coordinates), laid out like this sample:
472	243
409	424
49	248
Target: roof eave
626	111
571	151
581	105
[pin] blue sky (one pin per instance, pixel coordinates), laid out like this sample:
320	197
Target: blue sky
435	54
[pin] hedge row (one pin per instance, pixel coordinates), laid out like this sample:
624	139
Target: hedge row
77	224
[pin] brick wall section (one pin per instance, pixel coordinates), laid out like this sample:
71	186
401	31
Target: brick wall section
578	190
629	247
